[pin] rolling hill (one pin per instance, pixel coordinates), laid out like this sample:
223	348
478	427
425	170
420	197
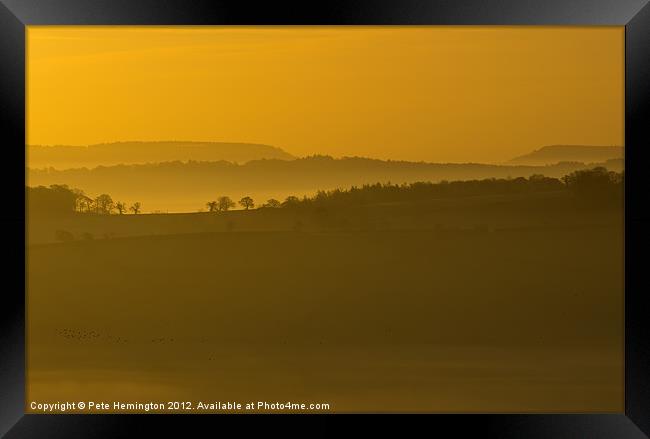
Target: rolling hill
187	186
106	154
548	155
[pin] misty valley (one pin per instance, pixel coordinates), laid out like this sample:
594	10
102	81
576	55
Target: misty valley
492	294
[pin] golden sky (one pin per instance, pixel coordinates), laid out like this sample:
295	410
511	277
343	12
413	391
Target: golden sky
457	94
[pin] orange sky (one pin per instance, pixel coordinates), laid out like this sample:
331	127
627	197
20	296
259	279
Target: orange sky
482	94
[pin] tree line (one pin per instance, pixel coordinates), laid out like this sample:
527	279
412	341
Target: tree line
225	203
61	200
597	185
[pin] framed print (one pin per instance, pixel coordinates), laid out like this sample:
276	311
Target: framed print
320	208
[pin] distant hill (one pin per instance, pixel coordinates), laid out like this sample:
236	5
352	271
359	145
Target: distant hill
569	153
187	186
106	154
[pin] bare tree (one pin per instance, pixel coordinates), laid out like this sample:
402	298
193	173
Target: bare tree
104	204
120	207
135	208
212	206
247	203
225	203
80	200
84	203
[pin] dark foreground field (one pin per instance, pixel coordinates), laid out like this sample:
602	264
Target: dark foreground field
526	319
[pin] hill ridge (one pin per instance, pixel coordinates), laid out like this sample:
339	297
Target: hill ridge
136	152
551	154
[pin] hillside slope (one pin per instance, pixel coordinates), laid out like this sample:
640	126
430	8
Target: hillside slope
105	154
569	153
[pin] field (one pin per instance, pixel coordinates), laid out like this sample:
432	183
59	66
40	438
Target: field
545	209
519	315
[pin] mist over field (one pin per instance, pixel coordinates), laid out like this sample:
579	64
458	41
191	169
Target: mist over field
494	294
185	186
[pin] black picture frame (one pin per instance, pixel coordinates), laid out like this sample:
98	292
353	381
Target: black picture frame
15	15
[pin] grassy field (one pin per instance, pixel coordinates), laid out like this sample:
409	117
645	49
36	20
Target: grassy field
519	316
545	209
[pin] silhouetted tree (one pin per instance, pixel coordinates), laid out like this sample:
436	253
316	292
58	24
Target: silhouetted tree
225	203
247	203
120	207
104	204
212	206
55	200
595	185
272	203
135	208
85	204
291	201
